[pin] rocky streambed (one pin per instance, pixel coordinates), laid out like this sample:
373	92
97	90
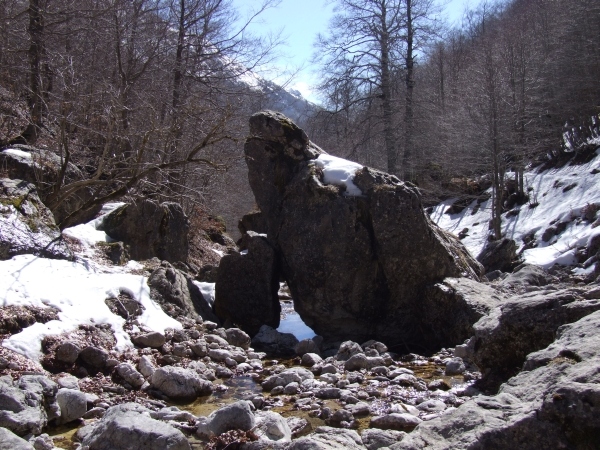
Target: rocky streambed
363	392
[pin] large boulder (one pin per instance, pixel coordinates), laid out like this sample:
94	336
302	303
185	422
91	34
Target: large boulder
522	325
150	229
10	441
26	225
129	426
178	295
553	403
247	286
358	258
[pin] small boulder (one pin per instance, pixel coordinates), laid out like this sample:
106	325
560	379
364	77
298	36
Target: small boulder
153	339
73	404
275	343
180	383
236	416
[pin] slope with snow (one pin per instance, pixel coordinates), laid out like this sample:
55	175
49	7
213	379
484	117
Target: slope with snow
78	290
555	195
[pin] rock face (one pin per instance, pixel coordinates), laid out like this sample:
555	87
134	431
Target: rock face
26	225
177	294
150	229
252	277
505	337
553	403
357	266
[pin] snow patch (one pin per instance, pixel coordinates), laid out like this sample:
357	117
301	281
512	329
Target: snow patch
339	172
16	152
207	290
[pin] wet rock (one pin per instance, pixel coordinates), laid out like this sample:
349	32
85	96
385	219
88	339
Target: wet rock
73	404
180	383
347	254
150	230
177	294
247	286
236	416
275	343
26	225
130	426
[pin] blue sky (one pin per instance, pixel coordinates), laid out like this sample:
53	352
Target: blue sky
301	21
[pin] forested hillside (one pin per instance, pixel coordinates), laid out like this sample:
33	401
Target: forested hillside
408	95
151	97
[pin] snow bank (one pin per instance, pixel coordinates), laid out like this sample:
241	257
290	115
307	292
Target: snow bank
561	196
340	172
78	292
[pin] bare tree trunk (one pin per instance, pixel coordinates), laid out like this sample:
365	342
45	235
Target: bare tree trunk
407	160
35	53
386	96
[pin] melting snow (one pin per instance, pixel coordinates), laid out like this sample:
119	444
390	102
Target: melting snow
340	172
562	195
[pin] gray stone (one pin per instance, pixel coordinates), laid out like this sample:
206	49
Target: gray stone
129	426
219	355
431	406
374	438
236	416
499	255
329	438
356	362
307	346
130	375
395	421
154	339
238	337
527	275
68	352
27	405
146	366
553	403
272	427
43	442
73	404
287	376
69	382
180	383
10	441
455	366
94	357
310	359
347	350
